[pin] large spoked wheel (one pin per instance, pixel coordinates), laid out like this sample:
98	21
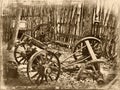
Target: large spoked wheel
43	66
22	52
81	50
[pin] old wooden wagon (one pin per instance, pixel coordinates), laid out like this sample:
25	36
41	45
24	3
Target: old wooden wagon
72	30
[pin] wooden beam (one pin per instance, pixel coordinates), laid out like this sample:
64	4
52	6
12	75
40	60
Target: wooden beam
90	50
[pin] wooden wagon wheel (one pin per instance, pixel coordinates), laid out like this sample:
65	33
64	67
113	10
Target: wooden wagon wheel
82	52
22	52
43	66
43	32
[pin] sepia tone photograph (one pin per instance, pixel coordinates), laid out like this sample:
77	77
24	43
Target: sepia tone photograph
59	44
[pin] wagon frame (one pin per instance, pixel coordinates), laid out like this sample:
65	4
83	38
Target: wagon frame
88	47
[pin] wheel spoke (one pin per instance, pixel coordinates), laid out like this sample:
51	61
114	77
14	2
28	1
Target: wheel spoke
54	68
53	75
85	58
95	45
41	79
50	78
21	60
39	60
24	61
54	64
18	56
37	80
80	49
34	75
18	52
24	46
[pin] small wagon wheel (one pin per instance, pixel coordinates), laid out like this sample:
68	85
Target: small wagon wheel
81	51
43	66
20	52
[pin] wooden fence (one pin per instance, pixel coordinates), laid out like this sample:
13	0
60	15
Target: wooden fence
71	22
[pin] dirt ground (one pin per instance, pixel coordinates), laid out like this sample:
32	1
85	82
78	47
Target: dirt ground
64	82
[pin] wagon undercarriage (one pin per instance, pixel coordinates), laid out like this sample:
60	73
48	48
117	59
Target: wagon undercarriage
45	61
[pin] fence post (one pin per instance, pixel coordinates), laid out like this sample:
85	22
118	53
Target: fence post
15	31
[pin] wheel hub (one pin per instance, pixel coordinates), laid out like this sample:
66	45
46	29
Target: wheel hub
23	54
48	71
41	69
